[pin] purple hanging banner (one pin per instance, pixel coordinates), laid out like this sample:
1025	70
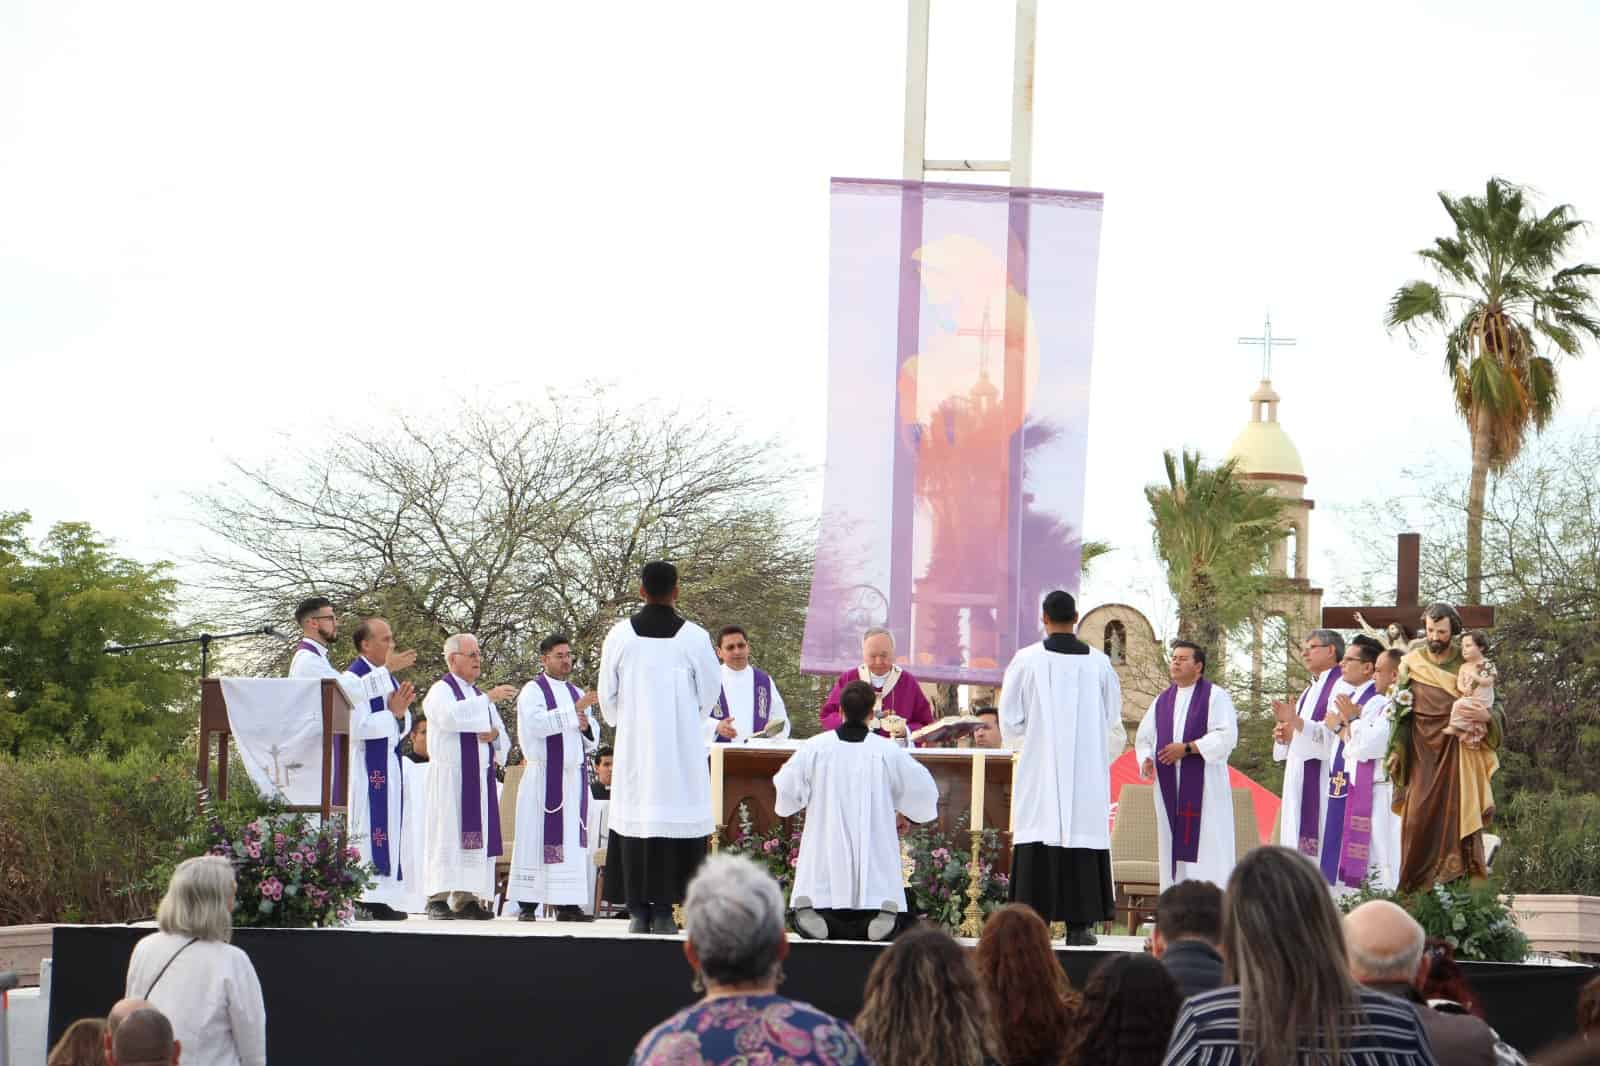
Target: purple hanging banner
1183	785
960	330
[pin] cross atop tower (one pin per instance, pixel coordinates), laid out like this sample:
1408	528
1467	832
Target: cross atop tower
984	334
1265	342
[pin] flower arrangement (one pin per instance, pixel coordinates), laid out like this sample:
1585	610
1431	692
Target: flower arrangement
777	849
940	876
291	872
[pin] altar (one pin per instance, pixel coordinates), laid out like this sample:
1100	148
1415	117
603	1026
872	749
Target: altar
742	773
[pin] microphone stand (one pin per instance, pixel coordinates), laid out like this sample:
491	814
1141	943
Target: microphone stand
204	640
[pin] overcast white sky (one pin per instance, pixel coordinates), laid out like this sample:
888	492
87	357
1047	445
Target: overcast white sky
222	223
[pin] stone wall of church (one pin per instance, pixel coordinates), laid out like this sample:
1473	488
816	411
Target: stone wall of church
1126	635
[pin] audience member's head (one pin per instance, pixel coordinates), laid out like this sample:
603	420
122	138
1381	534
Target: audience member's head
1384	943
856	702
922	1005
199	900
733	916
1441	977
1283	945
987	735
1031	1002
114	1017
83	1044
1130	1004
1189	910
144	1039
1579	1051
1589	1009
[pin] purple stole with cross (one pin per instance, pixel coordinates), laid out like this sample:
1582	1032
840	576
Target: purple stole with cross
554	801
1183	785
1311	774
472	835
1344	859
763	705
377	751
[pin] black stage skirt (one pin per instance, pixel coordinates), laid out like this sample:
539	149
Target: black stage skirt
1071	885
651	869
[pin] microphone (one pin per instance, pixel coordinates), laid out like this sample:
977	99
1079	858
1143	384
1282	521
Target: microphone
268	631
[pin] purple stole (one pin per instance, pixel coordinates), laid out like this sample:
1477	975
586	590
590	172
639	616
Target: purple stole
315	649
554	766
1311	774
1344	860
472	837
378	780
763	706
1183	786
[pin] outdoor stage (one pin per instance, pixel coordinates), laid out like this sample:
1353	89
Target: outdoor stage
435	992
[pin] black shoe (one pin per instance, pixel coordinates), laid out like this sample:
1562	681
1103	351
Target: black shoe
528	913
379	912
474	911
571	912
440	909
1079	936
661	922
638	919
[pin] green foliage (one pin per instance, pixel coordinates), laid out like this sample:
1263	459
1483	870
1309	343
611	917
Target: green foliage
1476	920
60	602
1213	531
89	838
1503	292
1552	843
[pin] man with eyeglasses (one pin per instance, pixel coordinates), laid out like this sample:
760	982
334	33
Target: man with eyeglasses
319	628
1358	826
1307	746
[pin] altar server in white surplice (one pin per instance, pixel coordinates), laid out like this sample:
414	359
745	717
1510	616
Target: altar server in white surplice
1183	745
851	782
1061	708
550	861
466	739
417	769
1301	742
750	702
379	805
659	679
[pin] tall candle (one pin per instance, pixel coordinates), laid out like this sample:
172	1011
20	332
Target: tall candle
717	753
979	768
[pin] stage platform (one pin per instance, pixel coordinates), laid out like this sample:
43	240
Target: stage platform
434	993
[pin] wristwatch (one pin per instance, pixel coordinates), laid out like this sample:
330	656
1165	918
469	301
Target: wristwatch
1188	747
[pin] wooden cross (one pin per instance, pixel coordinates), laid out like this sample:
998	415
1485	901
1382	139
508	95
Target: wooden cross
1407	609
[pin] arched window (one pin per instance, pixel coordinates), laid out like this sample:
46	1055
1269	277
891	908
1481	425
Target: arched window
1116	642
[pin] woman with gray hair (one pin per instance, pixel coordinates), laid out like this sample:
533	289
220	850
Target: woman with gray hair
204	985
736	945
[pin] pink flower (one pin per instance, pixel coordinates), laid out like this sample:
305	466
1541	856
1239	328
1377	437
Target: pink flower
254	849
352	854
272	888
295	856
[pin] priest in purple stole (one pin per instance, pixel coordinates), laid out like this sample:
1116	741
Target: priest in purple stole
1301	741
897	691
379	806
750	705
466	739
1362	835
552	859
1183	743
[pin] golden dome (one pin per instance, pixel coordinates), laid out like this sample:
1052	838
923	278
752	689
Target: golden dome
1263	448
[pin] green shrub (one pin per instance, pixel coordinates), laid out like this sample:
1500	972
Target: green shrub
1476	920
88	838
1551	843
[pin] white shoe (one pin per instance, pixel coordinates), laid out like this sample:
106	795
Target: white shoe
812	925
883	925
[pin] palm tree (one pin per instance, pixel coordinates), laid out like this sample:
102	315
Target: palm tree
1213	530
1502	293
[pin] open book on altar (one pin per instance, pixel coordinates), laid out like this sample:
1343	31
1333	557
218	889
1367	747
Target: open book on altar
946	730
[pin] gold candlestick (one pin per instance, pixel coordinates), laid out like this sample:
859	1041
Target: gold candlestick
972	921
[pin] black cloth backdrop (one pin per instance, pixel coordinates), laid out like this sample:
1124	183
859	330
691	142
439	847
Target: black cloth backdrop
444	998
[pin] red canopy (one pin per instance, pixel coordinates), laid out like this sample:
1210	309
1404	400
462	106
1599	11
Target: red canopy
1125	771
